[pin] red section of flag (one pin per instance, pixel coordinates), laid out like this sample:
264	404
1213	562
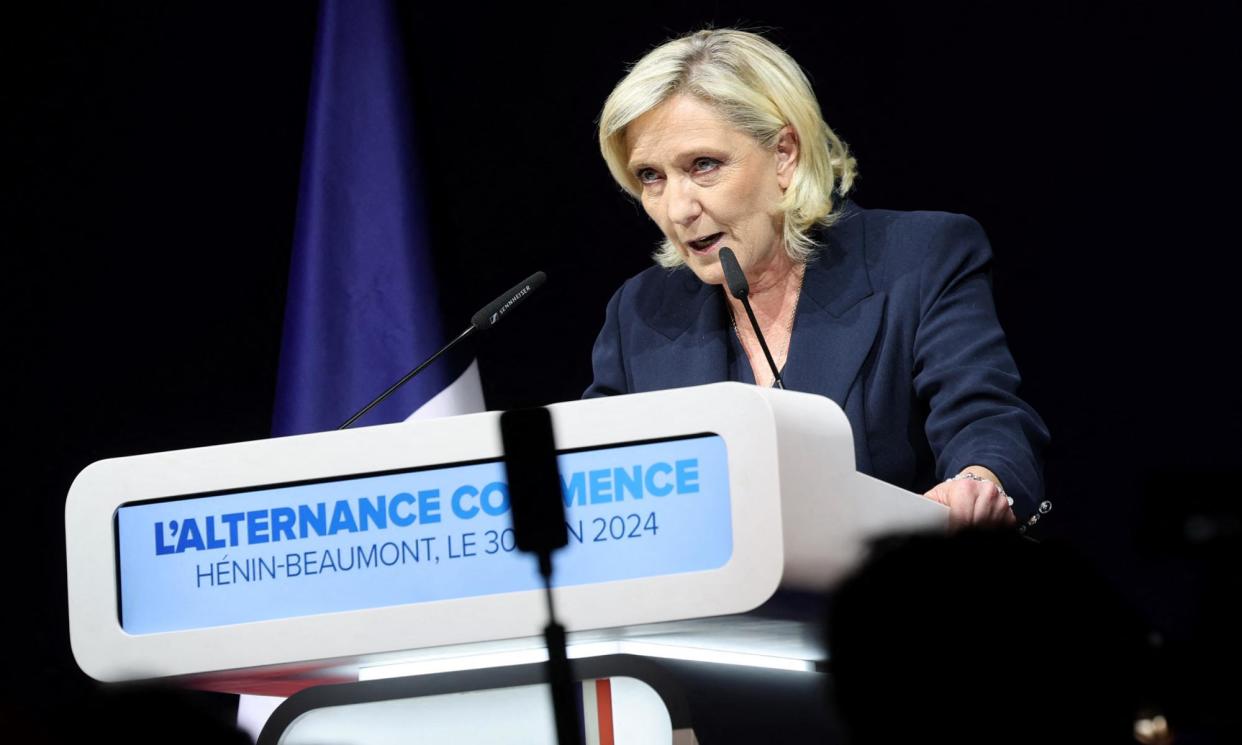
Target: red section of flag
603	703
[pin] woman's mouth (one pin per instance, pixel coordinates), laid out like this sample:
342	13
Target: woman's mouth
706	244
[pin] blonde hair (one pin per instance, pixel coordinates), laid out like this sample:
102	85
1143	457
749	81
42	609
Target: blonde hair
759	89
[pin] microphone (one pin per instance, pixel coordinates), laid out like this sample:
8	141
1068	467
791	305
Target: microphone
539	528
486	317
739	288
489	315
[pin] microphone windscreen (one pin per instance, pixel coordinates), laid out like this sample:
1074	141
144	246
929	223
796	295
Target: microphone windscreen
490	314
535	498
734	278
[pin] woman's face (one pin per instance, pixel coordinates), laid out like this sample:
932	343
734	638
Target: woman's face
708	184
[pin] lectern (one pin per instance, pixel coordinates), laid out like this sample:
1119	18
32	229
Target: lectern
276	565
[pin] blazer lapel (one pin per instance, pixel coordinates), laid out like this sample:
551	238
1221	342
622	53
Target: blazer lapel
838	314
834	329
692	317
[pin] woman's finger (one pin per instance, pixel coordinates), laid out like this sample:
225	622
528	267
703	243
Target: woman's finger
961	505
986	502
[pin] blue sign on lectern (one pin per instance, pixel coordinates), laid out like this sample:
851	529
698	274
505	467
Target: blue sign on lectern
432	533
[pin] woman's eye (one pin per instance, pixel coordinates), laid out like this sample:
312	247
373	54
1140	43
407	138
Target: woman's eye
702	165
647	176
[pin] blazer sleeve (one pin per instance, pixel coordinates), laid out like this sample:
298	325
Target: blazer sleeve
964	373
607	362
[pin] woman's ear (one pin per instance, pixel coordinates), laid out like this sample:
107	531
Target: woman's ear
786	156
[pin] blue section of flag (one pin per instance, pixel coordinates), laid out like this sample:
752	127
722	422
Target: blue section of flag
362	307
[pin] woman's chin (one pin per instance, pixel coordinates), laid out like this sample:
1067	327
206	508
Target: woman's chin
708	273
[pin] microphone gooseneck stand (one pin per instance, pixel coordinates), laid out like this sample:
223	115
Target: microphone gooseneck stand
739	288
486	317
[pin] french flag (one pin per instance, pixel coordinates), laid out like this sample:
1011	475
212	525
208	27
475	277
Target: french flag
595	711
362	306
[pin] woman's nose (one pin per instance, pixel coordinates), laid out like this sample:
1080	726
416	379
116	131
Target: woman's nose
683	201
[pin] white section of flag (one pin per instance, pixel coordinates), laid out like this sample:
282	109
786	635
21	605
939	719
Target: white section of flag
253	712
590	712
463	396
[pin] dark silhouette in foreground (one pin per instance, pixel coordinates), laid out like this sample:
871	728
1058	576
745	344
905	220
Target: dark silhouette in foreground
982	637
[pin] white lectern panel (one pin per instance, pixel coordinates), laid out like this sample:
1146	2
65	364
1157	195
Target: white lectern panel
686	504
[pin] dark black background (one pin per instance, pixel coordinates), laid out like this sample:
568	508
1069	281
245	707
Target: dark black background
151	162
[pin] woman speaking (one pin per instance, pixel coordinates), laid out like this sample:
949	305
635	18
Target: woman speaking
889	314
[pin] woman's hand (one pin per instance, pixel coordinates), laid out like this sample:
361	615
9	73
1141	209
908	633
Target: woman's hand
974	502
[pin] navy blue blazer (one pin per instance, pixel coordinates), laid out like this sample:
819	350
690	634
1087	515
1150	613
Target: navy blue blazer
895	323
